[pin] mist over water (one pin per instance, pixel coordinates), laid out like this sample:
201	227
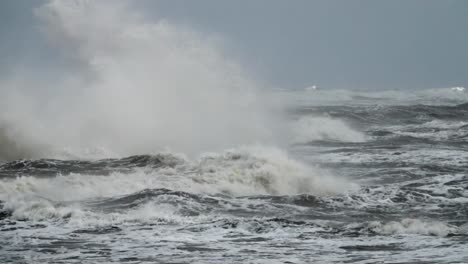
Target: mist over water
136	86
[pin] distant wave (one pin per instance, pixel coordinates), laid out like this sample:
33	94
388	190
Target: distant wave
438	96
320	128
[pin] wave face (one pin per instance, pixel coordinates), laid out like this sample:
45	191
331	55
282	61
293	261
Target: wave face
155	148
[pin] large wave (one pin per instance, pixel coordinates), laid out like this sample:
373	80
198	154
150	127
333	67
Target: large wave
243	171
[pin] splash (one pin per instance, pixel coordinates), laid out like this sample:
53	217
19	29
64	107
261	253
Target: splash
135	86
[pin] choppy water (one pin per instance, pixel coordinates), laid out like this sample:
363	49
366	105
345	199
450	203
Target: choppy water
369	179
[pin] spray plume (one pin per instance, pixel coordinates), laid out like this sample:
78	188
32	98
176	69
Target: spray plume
136	86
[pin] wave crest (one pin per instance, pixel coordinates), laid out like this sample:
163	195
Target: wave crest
308	129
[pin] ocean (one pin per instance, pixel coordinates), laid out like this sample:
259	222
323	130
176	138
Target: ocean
368	177
132	138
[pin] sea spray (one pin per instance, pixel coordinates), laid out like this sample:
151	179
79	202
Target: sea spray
135	86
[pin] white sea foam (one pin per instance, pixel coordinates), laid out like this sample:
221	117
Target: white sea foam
458	89
413	226
427	155
435	129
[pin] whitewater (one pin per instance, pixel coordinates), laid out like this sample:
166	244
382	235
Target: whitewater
153	146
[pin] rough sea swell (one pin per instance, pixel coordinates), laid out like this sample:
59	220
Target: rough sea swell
404	199
140	165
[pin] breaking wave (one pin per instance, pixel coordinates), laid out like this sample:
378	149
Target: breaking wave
238	172
411	226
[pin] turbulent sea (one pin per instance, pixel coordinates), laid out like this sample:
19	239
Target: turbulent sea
370	177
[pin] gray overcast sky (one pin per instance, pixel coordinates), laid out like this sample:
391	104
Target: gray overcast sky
339	44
